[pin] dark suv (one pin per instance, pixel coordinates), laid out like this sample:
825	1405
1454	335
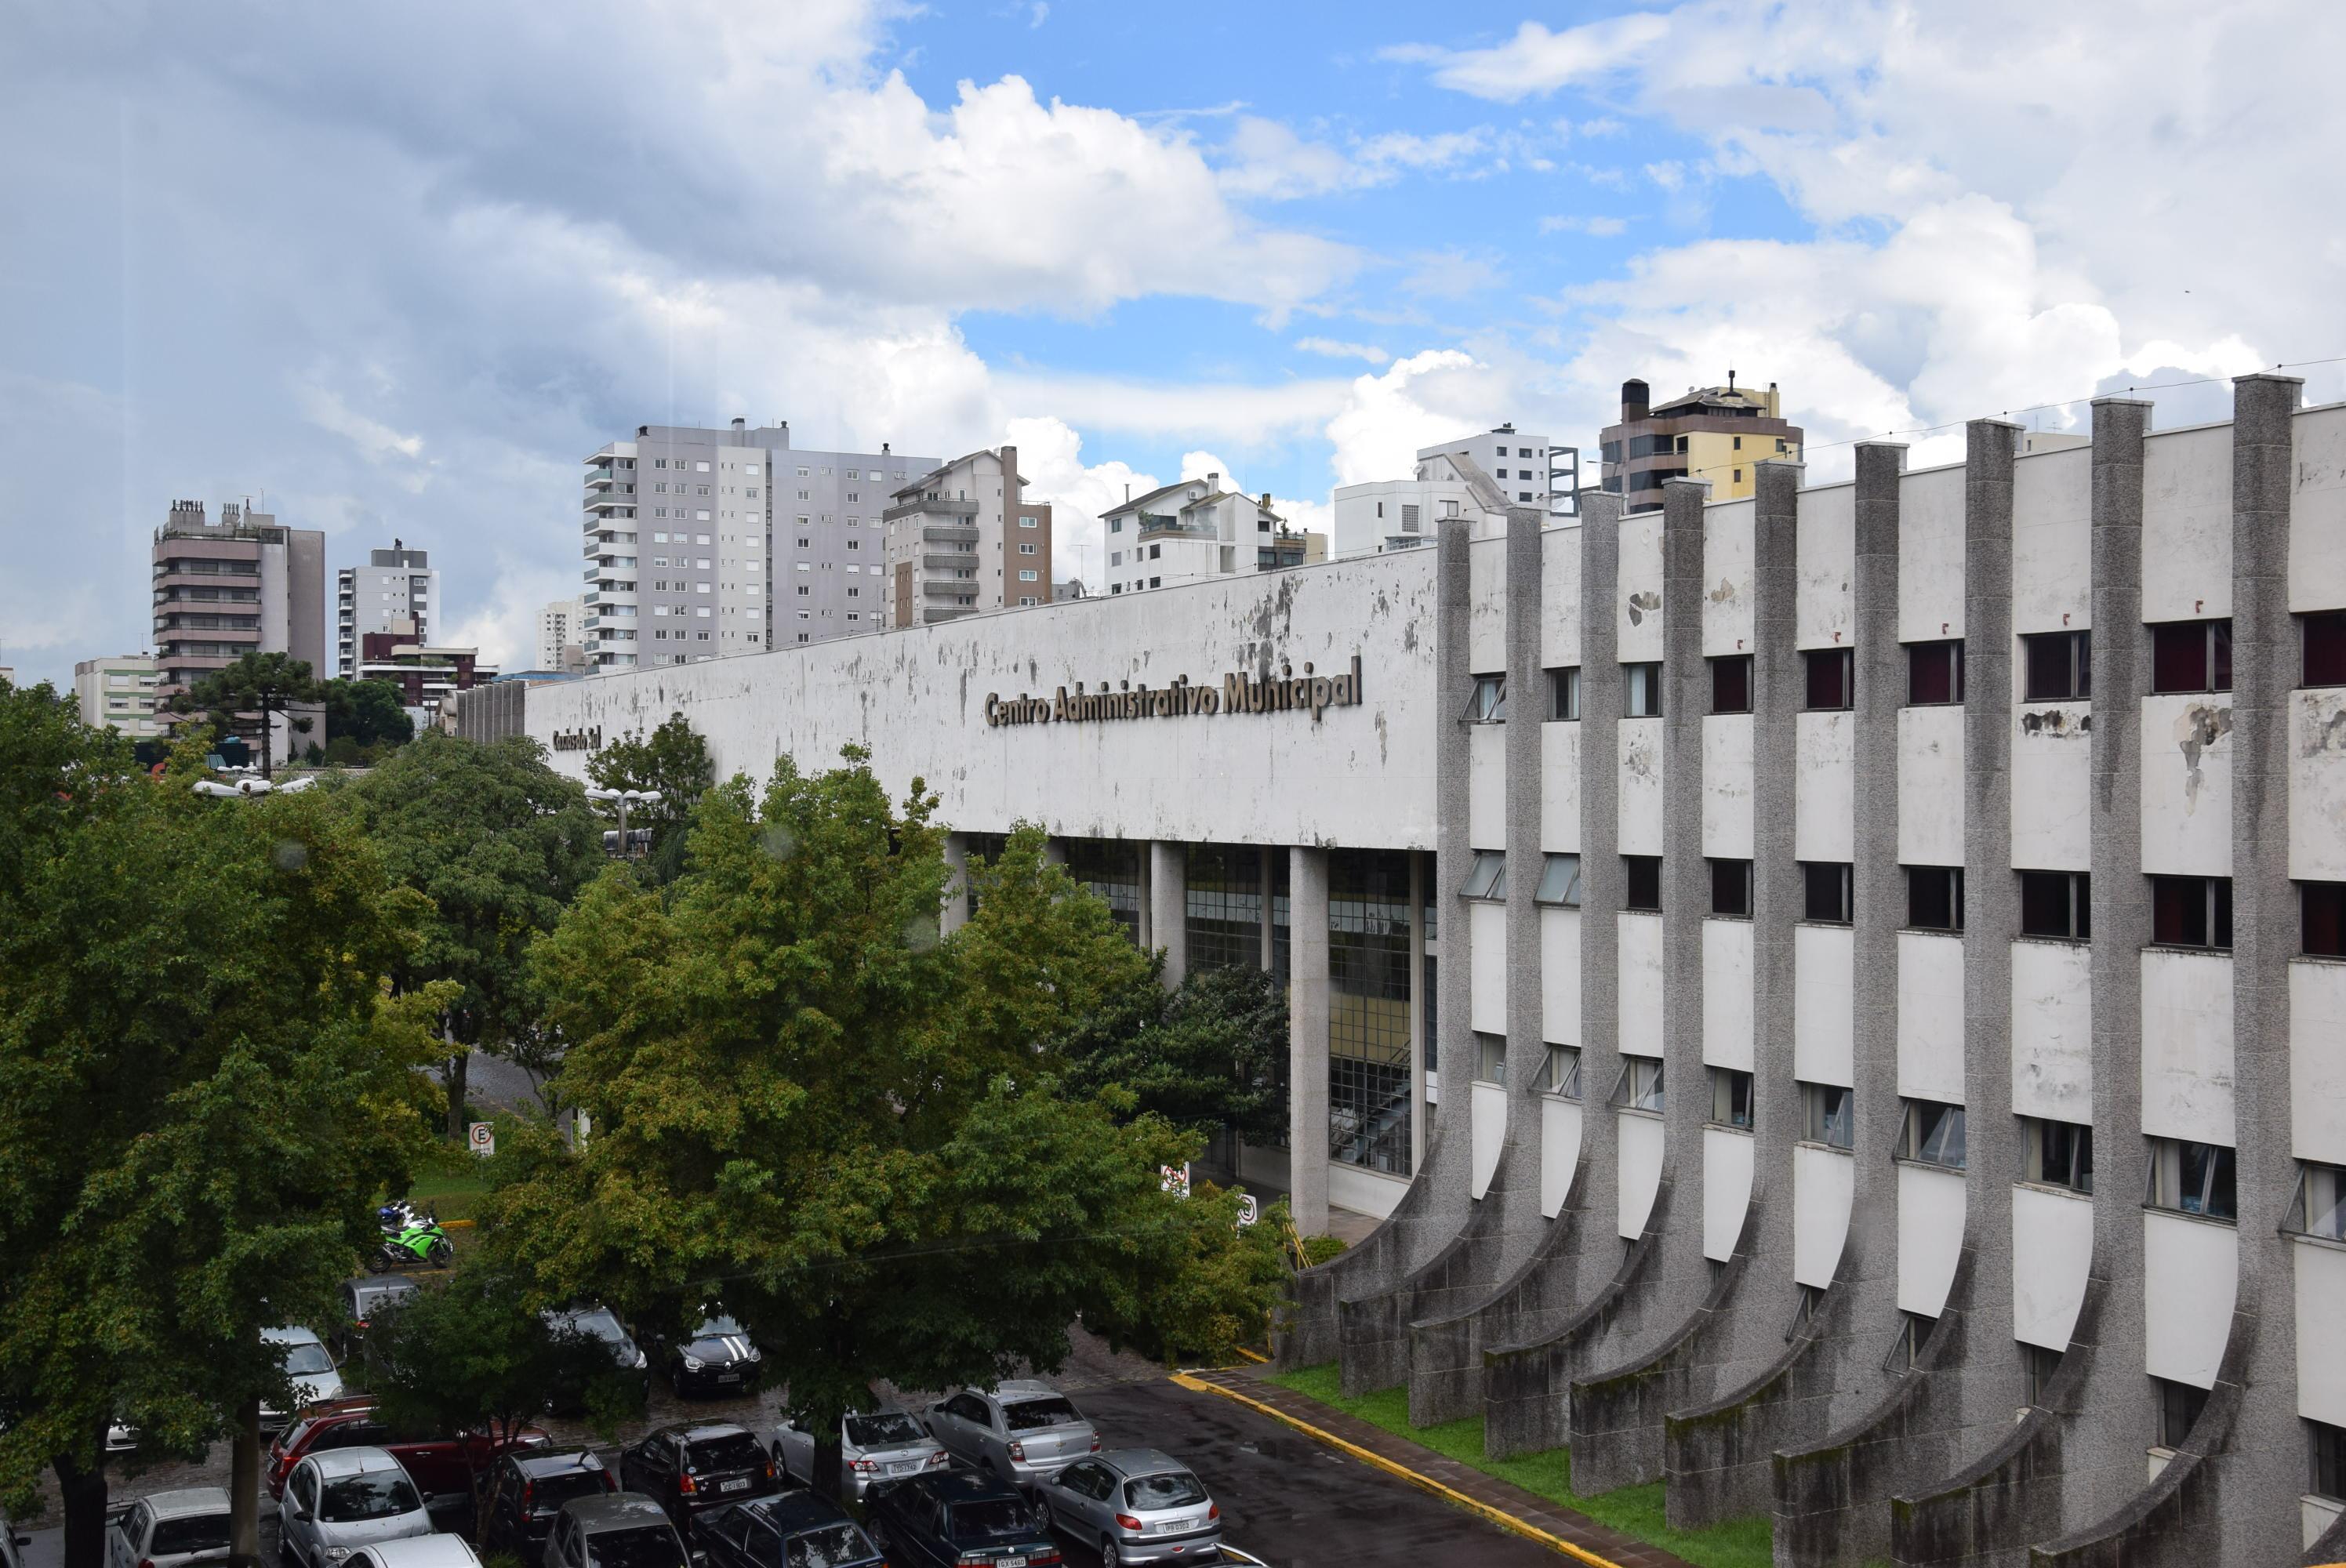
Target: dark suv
957	1520
697	1465
527	1490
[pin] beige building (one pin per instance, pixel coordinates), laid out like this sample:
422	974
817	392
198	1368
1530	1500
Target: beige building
118	693
1718	433
963	539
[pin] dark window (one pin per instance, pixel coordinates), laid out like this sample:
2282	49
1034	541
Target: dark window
1827	1116
2192	1178
2054	904
1935	672
1730	888
1730	683
2191	655
2323	907
1935	898
2060	1153
1643	874
1731	1097
1828	888
2060	666
2329	1445
1641	686
2038	1366
1487	704
2191	911
1933	1134
1564	693
2325	649
1833	678
2179	1405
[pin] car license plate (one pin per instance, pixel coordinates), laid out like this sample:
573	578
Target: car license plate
740	1485
904	1465
1010	1563
728	1377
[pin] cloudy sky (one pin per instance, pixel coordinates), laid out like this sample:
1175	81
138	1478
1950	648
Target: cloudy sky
396	269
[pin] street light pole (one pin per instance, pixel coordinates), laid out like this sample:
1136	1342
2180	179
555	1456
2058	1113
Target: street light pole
623	798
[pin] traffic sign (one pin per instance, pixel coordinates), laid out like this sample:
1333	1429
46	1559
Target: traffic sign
483	1137
1175	1179
1248	1213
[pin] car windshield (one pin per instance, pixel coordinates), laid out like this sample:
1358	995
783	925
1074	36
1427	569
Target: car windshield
1028	1414
380	1297
308	1360
734	1450
829	1546
548	1493
641	1546
883	1431
189	1532
1174	1489
378	1494
991	1517
602	1325
716	1329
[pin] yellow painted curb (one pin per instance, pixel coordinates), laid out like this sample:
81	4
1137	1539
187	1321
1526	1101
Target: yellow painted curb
455	1224
1483	1511
1259	1361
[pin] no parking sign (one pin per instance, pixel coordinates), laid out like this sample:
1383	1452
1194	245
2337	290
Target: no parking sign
481	1137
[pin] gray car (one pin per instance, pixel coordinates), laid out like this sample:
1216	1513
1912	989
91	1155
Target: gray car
343	1498
624	1530
168	1529
1021	1432
885	1445
1135	1505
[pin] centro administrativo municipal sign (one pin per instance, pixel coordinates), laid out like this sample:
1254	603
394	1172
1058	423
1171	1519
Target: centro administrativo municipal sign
1286	692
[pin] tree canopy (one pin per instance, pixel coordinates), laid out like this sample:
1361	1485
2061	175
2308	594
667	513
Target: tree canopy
673	759
203	1086
809	1106
266	684
367	712
1210	1057
499	843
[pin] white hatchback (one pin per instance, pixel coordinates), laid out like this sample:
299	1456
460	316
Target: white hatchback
344	1498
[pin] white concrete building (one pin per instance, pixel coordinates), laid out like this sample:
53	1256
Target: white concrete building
1842	993
1402	513
398	590
1192	532
1529	469
119	693
561	626
964	539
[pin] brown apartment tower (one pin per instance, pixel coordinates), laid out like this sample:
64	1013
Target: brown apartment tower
240	586
1718	433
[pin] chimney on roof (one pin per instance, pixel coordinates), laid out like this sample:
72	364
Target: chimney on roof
1637	401
1213	483
741	423
1731	378
1266	501
883	449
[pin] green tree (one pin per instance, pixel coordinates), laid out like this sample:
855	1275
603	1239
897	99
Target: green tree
672	759
499	843
203	1085
808	1105
1207	1058
262	683
366	712
1212	1283
475	1357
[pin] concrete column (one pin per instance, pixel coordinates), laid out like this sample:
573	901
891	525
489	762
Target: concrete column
1307	1037
1519	1192
1595	1192
1168	907
954	913
1779	892
1450	1162
1685	893
2264	1471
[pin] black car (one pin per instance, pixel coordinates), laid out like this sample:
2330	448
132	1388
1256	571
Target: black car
363	1300
527	1489
955	1519
597	1322
716	1357
796	1529
696	1466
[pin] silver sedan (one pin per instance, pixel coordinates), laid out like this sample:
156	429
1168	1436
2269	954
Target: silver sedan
1135	1505
885	1445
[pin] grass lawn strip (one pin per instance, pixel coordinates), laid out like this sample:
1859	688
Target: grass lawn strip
1635	1510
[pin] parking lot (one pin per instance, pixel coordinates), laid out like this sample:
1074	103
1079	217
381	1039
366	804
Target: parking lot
1284	1498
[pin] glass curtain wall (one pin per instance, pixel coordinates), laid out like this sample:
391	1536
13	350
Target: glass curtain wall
1224	906
1368	1009
1110	868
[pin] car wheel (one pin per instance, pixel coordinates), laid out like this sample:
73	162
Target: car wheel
1109	1556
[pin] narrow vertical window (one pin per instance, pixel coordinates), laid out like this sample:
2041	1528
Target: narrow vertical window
1833	678
1730	683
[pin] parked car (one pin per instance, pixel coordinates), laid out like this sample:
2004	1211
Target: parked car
716	1357
13	1542
796	1529
527	1489
626	1530
1021	1432
957	1520
442	1467
345	1499
415	1552
1135	1505
601	1323
697	1466
165	1529
884	1445
310	1367
363	1300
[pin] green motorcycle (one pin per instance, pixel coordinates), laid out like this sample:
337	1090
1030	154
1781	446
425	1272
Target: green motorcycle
410	1237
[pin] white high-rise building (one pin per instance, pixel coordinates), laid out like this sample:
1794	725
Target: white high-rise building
397	590
560	624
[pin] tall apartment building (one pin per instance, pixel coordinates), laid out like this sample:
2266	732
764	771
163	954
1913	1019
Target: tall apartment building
1191	531
232	587
397	588
963	539
1718	435
561	626
118	693
703	543
1529	469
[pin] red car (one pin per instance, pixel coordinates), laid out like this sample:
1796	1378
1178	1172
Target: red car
440	1467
